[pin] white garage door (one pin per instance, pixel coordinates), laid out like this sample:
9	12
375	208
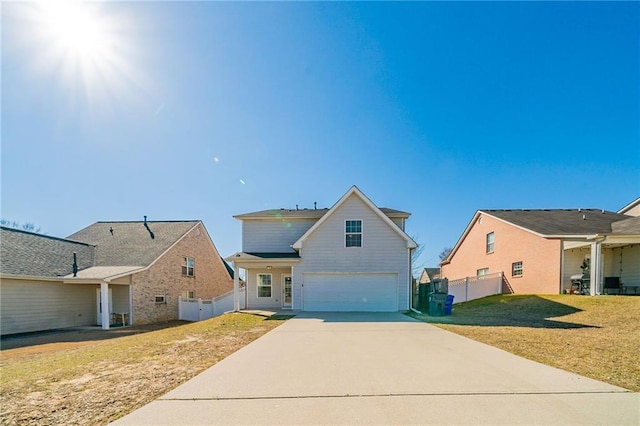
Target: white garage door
350	292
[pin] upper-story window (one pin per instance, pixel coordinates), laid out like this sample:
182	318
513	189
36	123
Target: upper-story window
482	272
516	269
188	266
490	241
353	233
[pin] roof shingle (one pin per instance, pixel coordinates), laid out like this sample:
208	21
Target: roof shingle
561	222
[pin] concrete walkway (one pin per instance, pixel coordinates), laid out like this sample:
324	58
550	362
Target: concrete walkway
334	368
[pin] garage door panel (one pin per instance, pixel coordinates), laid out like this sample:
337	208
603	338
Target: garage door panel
351	292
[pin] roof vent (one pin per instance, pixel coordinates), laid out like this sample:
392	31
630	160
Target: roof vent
584	217
111	230
75	264
579	210
315	205
296	207
149	229
602	211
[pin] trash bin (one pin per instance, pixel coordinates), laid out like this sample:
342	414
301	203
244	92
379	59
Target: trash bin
448	307
437	302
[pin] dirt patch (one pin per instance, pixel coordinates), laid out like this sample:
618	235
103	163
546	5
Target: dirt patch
87	378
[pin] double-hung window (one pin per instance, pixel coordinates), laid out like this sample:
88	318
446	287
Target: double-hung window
264	285
490	241
482	272
188	266
516	269
353	233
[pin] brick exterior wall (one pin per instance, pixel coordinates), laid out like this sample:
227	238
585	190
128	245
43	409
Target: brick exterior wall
210	278
540	257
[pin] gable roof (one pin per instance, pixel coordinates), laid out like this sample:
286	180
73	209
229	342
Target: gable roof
635	203
355	191
308	214
131	243
560	221
30	254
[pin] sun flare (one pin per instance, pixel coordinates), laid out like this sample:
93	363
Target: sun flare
75	28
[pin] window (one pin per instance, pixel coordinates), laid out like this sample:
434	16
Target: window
264	285
191	294
160	299
490	239
482	272
353	233
516	269
188	266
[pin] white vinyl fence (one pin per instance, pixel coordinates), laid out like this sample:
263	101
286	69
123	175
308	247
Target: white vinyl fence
202	309
471	288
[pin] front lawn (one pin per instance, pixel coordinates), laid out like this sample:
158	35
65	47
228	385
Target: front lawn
98	381
597	337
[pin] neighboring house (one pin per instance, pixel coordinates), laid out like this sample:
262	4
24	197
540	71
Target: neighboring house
539	250
631	209
134	269
351	257
428	275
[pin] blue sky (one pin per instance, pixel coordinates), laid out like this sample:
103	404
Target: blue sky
202	110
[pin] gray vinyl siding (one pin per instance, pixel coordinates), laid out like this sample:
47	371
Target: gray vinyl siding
259	236
383	250
273	302
399	222
30	305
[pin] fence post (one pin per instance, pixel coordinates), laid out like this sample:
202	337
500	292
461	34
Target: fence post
199	309
213	307
466	289
179	307
499	283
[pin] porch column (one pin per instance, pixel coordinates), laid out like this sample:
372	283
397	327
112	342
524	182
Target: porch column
595	268
104	302
236	287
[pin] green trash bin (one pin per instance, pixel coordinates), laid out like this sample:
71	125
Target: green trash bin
437	303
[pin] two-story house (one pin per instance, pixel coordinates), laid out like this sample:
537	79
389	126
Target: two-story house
354	256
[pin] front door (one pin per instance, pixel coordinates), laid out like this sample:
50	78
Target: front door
286	291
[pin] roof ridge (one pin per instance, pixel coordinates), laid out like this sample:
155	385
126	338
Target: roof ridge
148	221
66	240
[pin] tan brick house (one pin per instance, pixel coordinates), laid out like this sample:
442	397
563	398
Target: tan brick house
538	251
133	270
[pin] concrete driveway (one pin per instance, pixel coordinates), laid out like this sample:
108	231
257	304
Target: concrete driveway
364	368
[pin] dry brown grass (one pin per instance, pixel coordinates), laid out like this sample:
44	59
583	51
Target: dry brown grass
95	382
597	337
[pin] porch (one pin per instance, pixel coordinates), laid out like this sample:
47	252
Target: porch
268	280
608	260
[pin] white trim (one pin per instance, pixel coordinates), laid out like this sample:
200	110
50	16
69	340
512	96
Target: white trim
258	285
355	191
629	206
284	278
353	233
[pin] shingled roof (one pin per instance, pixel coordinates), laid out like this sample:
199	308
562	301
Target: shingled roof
561	221
308	214
131	243
30	254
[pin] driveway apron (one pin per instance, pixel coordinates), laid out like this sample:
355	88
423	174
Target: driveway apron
383	368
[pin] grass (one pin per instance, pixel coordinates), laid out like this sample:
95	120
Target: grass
597	337
104	380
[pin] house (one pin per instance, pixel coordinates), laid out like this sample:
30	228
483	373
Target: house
538	251
428	275
136	270
354	256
